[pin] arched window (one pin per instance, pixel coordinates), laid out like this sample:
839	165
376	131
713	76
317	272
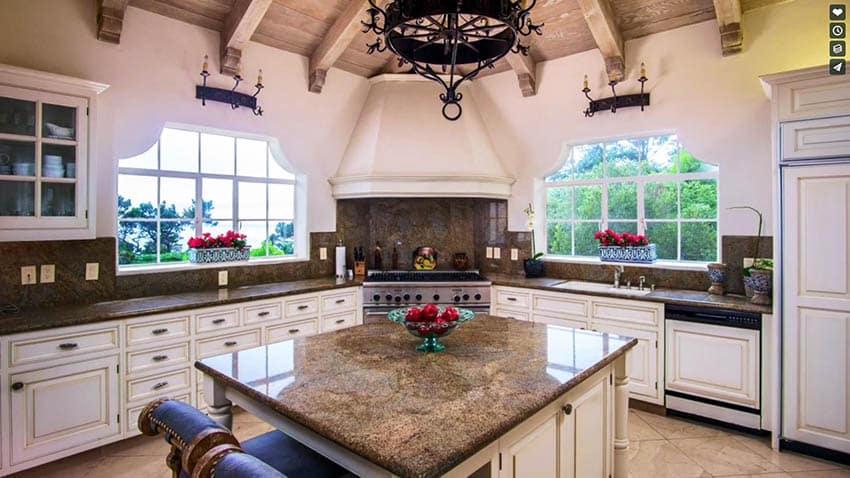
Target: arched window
648	185
238	181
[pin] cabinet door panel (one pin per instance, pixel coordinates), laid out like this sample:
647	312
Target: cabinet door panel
827	138
585	432
44	421
642	360
535	453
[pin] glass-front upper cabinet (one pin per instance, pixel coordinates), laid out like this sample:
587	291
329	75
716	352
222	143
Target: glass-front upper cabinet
44	159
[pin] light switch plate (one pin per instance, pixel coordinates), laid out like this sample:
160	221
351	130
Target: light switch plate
323	253
497	253
28	275
222	278
514	254
489	253
92	270
48	274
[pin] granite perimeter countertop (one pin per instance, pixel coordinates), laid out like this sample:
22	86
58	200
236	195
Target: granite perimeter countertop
418	415
668	296
31	319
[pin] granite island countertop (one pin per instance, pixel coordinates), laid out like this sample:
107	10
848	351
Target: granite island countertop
694	298
31	319
418	415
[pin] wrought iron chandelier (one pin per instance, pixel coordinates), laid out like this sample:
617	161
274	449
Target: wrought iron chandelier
451	41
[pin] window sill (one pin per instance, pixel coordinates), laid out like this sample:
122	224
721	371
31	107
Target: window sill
188	266
675	265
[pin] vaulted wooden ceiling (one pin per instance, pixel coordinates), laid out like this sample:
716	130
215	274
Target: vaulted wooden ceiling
329	31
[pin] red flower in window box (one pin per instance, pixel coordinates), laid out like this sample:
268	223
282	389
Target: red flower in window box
228	239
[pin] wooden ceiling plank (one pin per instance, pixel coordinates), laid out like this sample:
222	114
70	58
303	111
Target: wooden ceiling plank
110	19
600	19
170	11
337	39
526	72
239	26
729	13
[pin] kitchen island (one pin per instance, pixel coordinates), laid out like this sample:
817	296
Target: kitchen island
507	398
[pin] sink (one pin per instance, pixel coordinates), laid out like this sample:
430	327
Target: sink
601	287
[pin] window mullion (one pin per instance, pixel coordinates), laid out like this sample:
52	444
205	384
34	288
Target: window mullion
641	212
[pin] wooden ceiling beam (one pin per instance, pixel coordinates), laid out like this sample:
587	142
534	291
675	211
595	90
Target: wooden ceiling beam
526	72
729	13
110	19
239	26
339	36
602	23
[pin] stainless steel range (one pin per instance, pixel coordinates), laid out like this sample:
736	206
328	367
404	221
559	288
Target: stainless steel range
385	291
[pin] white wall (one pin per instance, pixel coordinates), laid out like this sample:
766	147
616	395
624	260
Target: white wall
716	104
153	73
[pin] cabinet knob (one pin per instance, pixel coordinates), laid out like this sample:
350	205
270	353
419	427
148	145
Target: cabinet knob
302	307
160	358
159	331
17	386
68	346
340	301
230	343
568	409
263	313
294	331
218	321
339	321
160	385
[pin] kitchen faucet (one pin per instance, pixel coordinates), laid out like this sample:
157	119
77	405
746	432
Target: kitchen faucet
618	271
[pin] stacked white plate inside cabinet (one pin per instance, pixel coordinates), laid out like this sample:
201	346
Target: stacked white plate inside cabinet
52	167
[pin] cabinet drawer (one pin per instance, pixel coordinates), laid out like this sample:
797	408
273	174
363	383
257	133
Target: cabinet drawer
132	426
228	343
512	298
339	321
263	312
158	385
170	356
626	311
279	333
339	302
220	320
41	349
560	321
138	334
826	138
561	305
511	314
301	306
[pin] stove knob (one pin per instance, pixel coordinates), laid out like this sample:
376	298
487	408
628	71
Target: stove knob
465	297
397	299
436	297
389	297
376	297
477	296
418	297
407	297
456	298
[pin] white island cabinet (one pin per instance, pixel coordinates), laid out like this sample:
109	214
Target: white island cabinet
71	389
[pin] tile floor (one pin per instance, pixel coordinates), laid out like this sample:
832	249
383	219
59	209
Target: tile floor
661	447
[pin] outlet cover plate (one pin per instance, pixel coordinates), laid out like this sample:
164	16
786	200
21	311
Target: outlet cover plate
28	275
514	254
323	253
497	253
489	253
222	278
48	273
92	270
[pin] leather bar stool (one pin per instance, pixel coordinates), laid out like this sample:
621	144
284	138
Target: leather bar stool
230	461
192	434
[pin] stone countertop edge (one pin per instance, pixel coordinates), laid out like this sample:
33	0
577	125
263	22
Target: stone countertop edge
33	319
668	296
463	453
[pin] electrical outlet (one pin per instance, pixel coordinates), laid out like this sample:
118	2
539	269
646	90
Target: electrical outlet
48	273
497	253
323	253
92	270
489	253
514	254
222	278
28	275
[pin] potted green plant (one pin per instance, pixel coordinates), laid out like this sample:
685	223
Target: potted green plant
534	265
758	276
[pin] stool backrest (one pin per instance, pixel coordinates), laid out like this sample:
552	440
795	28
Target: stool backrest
229	461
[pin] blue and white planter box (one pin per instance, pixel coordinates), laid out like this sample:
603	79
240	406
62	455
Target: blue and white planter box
641	255
219	254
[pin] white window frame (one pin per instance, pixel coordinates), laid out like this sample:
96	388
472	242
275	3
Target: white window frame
640	183
273	153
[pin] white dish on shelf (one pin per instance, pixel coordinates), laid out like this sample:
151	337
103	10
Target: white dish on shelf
53	172
71	170
52	160
59	131
23	169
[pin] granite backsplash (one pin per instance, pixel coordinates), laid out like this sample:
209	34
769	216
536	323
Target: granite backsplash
450	225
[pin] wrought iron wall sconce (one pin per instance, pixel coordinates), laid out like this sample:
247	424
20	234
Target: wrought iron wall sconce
232	97
614	102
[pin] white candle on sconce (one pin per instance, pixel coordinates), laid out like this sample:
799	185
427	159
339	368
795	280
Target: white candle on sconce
585	82
642	69
206	67
260	77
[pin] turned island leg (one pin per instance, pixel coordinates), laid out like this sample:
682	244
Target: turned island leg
621	419
220	408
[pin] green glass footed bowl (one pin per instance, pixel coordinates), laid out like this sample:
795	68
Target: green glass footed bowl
430	331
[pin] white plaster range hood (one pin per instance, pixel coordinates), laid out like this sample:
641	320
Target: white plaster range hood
403	147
